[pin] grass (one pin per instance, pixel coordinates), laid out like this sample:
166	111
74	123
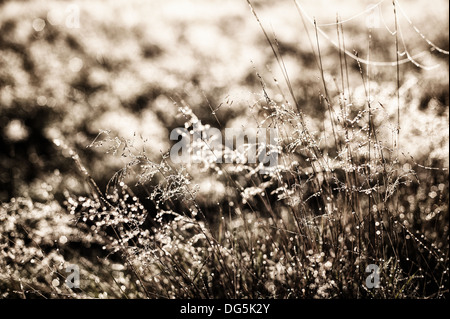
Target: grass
345	195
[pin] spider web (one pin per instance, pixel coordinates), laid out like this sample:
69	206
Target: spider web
408	59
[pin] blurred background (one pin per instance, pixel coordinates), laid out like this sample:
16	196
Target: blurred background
69	69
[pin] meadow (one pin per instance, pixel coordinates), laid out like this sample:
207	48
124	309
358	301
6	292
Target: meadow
355	207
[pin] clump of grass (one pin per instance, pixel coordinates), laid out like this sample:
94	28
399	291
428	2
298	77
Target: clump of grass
335	203
341	197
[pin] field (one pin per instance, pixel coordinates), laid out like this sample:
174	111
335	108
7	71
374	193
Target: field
349	200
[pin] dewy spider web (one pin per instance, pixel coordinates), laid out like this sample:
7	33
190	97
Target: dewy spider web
409	57
351	18
419	32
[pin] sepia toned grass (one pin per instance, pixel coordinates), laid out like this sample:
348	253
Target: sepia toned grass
347	192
